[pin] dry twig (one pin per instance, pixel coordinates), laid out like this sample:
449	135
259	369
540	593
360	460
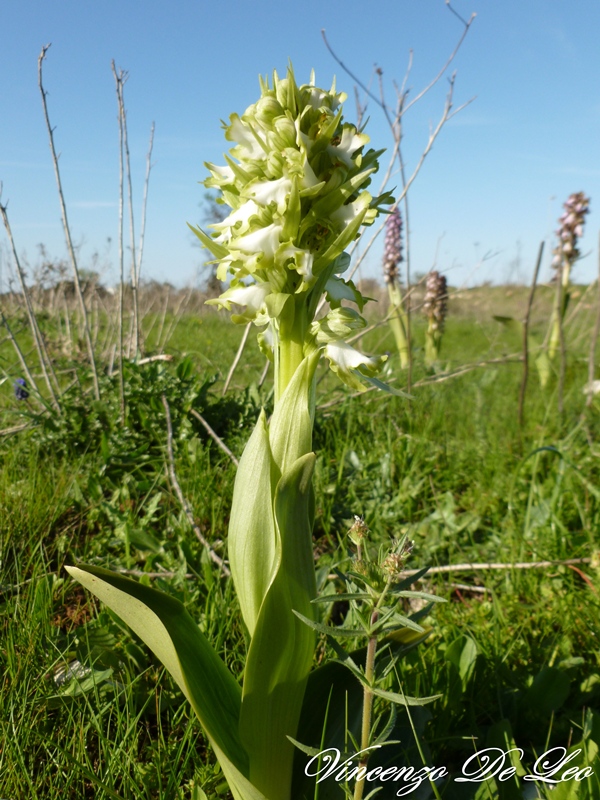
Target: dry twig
220	443
237	358
67	230
183	502
496	565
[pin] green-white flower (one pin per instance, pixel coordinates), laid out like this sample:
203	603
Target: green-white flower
296	182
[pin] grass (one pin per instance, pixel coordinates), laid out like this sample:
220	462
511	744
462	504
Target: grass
514	653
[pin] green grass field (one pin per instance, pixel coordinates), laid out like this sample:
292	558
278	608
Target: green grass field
514	653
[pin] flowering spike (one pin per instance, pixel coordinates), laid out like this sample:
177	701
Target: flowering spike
392	249
435	304
570	230
296	181
565	254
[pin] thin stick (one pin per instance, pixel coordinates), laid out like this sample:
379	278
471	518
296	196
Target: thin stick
145	203
526	334
466	24
183	502
15	429
237	358
220	443
45	363
134	284
263	376
118	79
139	573
592	358
67	230
164	316
495	565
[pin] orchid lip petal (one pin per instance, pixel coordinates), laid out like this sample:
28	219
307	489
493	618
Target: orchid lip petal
264	240
346	358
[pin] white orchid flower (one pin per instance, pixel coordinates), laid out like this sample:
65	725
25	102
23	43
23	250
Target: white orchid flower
264	240
349	364
277	191
241	215
350	142
303	260
239	131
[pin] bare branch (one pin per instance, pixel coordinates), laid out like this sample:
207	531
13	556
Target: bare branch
67	230
182	500
237	358
145	203
40	346
216	438
118	80
496	565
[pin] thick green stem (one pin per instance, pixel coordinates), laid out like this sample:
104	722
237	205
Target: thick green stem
292	334
399	323
560	306
433	340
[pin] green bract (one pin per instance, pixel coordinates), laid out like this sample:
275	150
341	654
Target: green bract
296	181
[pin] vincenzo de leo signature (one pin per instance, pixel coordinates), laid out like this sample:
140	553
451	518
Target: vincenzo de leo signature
552	767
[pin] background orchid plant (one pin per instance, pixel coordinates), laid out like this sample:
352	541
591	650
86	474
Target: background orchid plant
296	181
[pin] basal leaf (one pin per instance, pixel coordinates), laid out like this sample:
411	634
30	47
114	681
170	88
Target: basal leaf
163	623
282	647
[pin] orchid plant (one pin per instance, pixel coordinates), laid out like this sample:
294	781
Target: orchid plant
435	308
566	252
296	182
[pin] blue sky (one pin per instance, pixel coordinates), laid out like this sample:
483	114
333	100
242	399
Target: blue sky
492	185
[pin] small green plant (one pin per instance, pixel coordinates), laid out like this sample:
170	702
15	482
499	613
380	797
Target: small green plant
375	588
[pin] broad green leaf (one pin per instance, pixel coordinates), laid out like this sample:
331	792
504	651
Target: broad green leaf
462	653
253	543
549	690
290	431
163	623
281	651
